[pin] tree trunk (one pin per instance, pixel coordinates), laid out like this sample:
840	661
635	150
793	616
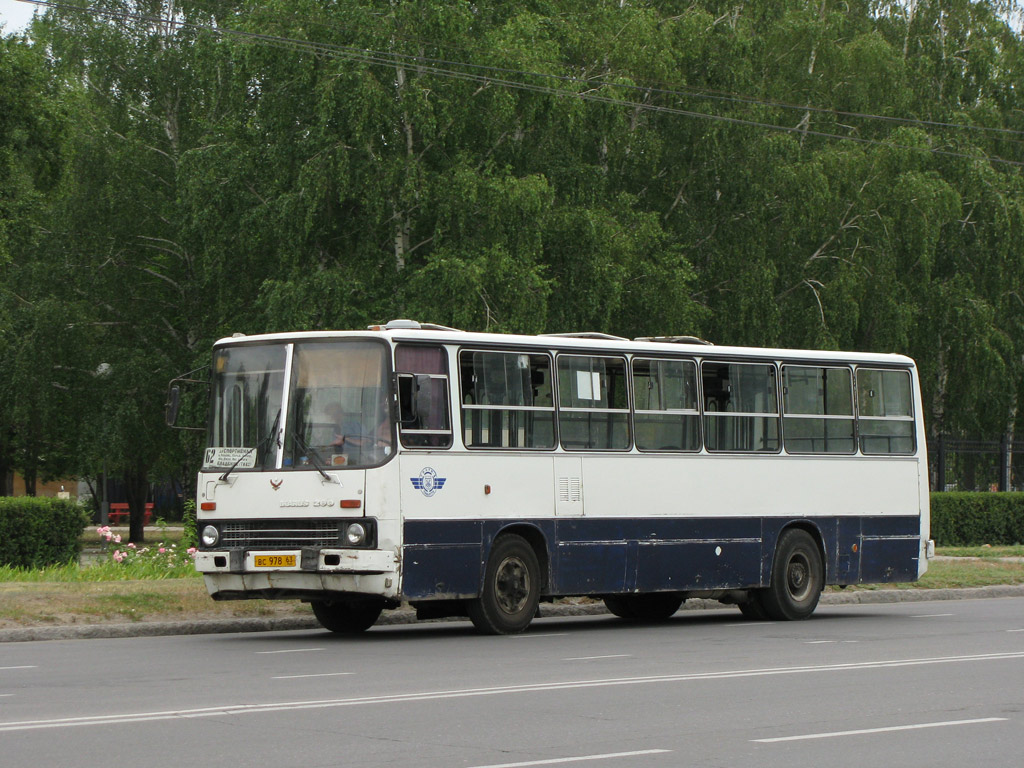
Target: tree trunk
29	476
1010	435
403	226
6	476
136	488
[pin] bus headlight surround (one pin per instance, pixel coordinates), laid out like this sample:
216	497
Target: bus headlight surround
355	534
210	536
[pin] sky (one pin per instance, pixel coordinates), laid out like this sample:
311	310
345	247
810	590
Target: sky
15	15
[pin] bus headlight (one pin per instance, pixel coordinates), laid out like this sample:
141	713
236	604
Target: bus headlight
355	534
210	536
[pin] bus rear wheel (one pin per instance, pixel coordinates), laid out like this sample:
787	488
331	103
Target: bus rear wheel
511	589
345	617
796	579
656	606
752	608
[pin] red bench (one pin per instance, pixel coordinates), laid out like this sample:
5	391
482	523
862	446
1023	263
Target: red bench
119	514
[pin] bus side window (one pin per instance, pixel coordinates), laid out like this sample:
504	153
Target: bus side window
506	400
424	420
885	411
665	405
818	406
741	410
593	403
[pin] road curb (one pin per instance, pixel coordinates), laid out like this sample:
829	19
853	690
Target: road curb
407	616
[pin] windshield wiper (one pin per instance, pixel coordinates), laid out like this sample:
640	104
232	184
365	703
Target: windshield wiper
312	455
260	444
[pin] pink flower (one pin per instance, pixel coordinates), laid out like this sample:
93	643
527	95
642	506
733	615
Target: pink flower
117	538
118	555
161	550
131	546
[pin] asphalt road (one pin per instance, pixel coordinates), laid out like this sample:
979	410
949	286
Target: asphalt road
909	684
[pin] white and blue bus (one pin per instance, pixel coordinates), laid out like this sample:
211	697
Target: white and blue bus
480	474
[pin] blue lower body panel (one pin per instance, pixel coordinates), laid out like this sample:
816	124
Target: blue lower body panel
445	559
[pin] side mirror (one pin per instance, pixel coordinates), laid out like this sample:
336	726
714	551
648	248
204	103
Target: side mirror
408	406
182	390
173	405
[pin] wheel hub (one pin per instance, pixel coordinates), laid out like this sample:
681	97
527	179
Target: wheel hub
798	577
512	585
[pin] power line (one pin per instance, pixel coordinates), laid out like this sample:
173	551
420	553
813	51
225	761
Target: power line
694	93
442	68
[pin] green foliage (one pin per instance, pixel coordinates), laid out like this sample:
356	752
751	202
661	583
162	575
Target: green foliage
165	560
972	519
148	566
542	166
38	532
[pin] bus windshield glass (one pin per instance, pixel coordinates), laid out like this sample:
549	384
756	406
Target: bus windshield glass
339	411
245	407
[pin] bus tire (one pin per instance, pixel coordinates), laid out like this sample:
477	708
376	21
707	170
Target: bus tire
656	606
752	608
345	617
796	578
511	589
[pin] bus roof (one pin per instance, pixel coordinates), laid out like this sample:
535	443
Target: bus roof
411	331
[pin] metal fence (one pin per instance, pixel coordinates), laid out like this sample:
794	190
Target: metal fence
959	464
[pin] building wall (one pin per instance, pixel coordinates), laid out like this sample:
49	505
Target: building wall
51	489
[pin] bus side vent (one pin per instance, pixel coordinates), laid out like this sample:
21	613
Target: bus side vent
675	339
570	490
412	325
584	335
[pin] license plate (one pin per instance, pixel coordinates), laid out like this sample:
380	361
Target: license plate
274	561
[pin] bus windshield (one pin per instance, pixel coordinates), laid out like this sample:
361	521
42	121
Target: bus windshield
245	407
339	410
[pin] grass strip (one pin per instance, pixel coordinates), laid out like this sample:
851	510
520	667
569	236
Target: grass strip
67	599
26	604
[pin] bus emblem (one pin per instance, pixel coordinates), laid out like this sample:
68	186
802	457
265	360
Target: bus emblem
428	482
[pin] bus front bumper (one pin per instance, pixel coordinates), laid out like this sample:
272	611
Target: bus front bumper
309	560
310	574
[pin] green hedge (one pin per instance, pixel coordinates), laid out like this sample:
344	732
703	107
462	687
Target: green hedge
972	519
36	532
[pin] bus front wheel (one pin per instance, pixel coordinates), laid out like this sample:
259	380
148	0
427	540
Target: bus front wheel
796	579
347	618
511	589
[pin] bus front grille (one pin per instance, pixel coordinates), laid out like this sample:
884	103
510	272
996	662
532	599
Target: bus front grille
280	533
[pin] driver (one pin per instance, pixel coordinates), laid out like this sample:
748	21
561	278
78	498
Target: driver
349	432
342	427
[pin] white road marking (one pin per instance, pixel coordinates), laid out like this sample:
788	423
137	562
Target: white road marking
287	706
292	650
580	759
931	615
531	636
610	656
321	674
25	667
887	729
826	642
1015	630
